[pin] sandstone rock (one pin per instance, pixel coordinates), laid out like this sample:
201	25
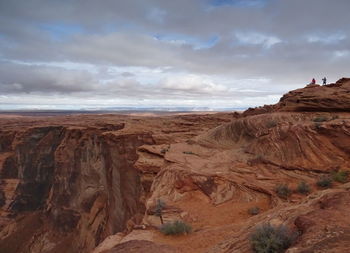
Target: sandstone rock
313	98
108	243
141	246
73	184
78	173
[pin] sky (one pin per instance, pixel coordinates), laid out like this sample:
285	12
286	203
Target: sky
88	54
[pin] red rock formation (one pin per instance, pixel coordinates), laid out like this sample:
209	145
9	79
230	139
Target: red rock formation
242	162
140	246
95	180
319	221
67	186
77	179
333	97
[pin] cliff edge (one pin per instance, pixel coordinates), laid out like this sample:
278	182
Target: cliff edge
92	183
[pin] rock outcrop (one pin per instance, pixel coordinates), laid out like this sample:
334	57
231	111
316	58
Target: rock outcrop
65	187
92	184
319	222
212	180
80	182
333	97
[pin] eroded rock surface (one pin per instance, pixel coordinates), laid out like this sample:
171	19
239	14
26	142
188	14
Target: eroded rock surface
333	97
92	183
68	182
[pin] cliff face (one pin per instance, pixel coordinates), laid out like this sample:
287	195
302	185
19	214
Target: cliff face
81	184
213	179
68	182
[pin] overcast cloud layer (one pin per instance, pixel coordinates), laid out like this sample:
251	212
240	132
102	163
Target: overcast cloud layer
213	53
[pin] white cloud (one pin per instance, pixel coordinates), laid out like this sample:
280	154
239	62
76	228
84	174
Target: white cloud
255	38
325	38
341	53
192	83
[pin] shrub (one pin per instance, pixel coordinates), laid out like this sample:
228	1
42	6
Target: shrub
271	123
340	176
254	210
324	182
303	188
283	191
320	119
335	117
175	228
318	125
271	239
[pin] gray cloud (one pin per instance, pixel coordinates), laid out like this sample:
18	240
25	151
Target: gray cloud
19	78
284	42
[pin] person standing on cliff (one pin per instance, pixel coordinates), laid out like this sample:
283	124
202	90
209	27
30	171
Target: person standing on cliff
324	80
313	81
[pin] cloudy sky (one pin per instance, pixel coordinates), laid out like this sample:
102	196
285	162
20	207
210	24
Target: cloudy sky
72	54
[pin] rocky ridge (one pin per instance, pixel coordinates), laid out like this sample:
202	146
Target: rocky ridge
94	181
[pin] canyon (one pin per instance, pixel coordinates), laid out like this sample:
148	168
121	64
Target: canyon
90	183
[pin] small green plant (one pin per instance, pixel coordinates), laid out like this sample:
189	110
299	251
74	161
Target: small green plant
320	119
283	191
324	182
271	123
175	228
272	239
303	188
340	176
254	210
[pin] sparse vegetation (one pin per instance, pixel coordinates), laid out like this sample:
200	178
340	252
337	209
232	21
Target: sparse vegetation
175	228
188	152
324	182
320	119
272	239
335	117
303	188
159	208
271	123
283	191
254	210
258	157
340	176
164	150
318	125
